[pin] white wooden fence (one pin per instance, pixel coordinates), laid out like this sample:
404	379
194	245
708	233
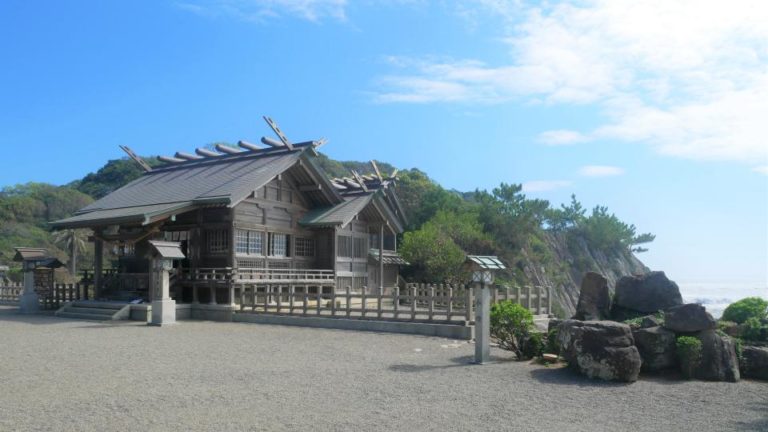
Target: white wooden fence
432	303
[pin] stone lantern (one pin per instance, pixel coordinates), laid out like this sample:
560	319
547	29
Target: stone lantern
483	268
163	254
35	261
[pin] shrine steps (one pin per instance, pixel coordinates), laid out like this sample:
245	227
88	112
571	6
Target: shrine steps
94	310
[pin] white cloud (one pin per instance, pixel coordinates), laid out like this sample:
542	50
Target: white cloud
689	77
600	171
261	10
562	137
761	169
544	185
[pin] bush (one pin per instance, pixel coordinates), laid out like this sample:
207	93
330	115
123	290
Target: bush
511	324
689	353
533	345
744	309
754	329
553	346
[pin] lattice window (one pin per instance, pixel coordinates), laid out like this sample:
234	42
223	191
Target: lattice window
217	240
249	242
250	263
279	265
305	247
278	245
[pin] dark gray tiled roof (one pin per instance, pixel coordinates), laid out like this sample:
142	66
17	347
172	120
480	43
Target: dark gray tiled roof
388	257
226	181
340	214
118	215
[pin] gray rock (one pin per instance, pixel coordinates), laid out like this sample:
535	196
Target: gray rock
650	321
600	349
646	293
688	318
657	348
594	298
754	362
718	358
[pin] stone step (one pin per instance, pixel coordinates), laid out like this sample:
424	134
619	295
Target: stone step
84	316
98	305
93	311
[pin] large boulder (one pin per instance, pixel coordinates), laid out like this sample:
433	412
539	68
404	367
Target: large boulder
646	293
718	358
600	349
656	346
594	298
754	362
688	318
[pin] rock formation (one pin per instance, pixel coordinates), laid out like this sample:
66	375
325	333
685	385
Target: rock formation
594	298
600	349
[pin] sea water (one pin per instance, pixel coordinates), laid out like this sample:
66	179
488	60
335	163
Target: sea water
716	296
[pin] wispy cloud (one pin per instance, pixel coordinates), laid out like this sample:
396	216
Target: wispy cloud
761	169
688	77
262	10
562	137
545	185
600	171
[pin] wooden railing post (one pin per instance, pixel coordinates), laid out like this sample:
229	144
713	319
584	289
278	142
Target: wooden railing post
431	304
468	302
349	301
528	295
549	299
364	303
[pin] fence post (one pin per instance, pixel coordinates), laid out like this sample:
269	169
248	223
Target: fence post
413	302
549	299
450	302
431	302
518	294
396	302
291	293
379	299
528	295
320	298
538	299
468	301
349	300
306	300
364	303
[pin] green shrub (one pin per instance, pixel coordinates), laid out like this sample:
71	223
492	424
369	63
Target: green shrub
553	346
689	354
533	345
744	309
511	323
754	329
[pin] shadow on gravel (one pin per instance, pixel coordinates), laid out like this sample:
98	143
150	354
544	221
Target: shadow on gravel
755	425
565	376
462	361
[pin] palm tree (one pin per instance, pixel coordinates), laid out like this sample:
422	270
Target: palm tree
74	242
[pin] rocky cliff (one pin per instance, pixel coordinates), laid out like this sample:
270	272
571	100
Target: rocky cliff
563	259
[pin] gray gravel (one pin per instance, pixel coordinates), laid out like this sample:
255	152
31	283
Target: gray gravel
58	374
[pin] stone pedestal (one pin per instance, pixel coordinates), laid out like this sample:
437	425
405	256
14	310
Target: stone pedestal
163	312
483	325
29	302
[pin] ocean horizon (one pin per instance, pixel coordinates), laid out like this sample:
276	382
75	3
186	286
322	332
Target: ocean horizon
716	296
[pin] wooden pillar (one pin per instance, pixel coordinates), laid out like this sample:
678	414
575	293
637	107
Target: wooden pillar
381	258
98	264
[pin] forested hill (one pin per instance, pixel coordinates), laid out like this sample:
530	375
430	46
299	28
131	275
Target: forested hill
541	244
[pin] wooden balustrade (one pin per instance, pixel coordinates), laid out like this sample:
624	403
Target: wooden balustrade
443	303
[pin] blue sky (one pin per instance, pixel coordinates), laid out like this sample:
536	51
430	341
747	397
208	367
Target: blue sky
655	109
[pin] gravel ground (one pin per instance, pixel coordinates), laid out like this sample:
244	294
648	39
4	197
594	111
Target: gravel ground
58	374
